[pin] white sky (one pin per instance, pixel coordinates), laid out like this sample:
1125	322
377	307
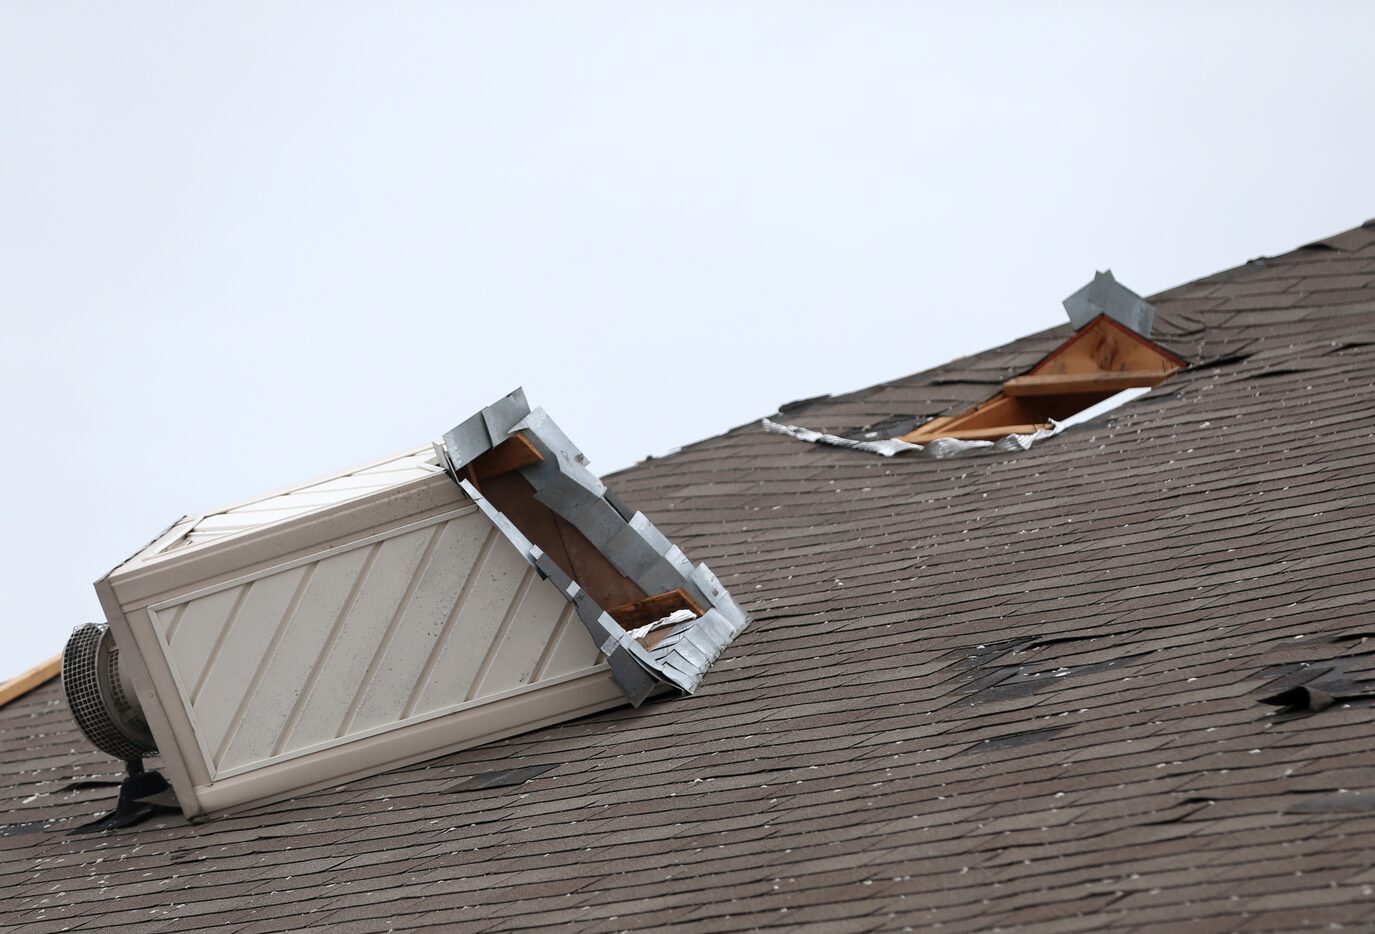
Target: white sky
244	244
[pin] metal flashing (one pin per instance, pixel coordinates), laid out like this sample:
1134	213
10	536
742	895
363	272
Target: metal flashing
631	544
942	448
1106	296
466	441
503	415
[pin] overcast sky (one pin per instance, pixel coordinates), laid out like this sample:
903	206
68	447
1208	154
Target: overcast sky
245	244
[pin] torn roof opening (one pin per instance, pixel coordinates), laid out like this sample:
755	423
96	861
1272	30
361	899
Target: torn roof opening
1102	359
941	448
657	618
1107	362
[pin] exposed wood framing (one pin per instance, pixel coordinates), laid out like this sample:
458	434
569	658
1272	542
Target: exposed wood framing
1102	358
512	454
994	433
1104	346
643	612
1055	384
22	684
560	540
927	430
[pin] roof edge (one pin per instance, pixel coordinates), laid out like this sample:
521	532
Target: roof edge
37	676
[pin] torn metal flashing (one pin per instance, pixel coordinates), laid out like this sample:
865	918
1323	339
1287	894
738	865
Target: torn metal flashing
942	448
1106	296
639	552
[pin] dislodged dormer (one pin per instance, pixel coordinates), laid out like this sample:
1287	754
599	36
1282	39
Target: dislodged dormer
422	604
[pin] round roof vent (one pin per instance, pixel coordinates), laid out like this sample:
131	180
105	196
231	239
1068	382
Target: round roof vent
103	702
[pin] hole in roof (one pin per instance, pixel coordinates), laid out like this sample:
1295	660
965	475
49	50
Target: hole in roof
1109	361
1102	359
496	474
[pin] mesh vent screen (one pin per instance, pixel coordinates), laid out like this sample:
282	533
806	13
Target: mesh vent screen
90	681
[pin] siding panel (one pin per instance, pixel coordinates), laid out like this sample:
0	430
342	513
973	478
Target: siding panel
487	606
526	638
572	648
197	631
242	651
365	638
345	661
435	597
285	674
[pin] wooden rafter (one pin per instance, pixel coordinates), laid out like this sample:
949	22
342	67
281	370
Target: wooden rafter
512	454
1101	358
1058	384
643	612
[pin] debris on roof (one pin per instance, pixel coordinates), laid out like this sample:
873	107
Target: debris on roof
142	795
941	448
1101	366
475	589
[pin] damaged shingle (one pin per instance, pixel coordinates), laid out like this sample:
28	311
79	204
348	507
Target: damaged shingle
1342	802
501	778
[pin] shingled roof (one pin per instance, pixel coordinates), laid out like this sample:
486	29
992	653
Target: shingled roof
1006	691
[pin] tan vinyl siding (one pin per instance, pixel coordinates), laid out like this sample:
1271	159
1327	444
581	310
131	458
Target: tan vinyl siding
360	640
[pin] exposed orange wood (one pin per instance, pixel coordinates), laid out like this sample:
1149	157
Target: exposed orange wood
992	433
512	454
1103	345
22	684
643	612
1003	411
654	637
565	545
926	430
1055	384
1102	358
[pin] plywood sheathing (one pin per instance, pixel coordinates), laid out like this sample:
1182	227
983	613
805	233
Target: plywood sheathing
1010	692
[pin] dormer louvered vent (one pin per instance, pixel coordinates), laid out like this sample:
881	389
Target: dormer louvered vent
425	603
